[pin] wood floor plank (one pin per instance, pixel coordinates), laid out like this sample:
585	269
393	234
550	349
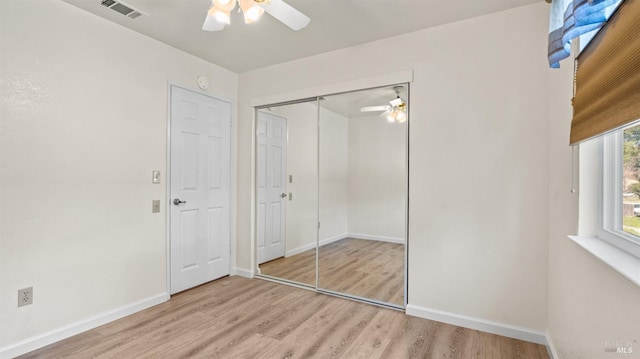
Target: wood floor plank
376	337
261	319
169	327
249	318
327	333
223	329
302	341
297	315
253	347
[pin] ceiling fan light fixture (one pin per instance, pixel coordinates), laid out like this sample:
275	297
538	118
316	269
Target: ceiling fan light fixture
224	5
401	116
391	116
221	15
396	112
251	11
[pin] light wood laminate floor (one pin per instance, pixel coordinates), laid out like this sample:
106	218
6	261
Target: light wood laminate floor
360	267
249	318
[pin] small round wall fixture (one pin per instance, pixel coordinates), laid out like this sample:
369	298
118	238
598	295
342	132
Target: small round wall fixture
203	82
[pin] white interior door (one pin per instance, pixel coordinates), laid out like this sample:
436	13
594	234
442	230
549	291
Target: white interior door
200	193
271	183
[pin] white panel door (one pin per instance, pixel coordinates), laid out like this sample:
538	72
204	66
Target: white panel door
200	193
271	183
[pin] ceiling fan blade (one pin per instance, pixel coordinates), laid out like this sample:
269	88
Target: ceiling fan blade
286	13
386	114
211	24
374	108
396	102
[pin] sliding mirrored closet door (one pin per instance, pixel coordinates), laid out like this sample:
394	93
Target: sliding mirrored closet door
287	191
344	193
362	194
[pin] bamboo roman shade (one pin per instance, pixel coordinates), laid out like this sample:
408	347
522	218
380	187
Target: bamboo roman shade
607	92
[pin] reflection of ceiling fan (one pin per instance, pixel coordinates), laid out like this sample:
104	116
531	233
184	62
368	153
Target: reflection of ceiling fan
396	111
219	14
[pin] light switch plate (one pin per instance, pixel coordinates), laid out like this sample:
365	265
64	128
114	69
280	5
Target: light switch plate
155	179
155	206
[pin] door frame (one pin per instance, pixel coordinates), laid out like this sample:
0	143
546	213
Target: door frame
303	95
232	180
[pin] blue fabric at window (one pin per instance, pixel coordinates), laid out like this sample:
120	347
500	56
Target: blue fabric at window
570	19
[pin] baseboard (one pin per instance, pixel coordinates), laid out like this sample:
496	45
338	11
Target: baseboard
505	330
339	237
309	246
299	250
373	237
70	330
241	272
553	354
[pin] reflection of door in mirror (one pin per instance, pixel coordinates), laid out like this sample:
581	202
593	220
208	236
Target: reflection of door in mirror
363	194
296	261
271	186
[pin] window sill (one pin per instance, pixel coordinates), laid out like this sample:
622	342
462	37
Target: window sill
621	261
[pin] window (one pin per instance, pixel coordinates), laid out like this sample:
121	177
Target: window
606	99
620	189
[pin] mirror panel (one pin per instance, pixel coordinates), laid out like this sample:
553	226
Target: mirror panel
332	193
287	191
363	194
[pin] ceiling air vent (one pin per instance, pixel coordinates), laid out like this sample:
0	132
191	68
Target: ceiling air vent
122	8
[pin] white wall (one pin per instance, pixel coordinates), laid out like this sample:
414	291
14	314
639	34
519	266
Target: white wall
479	158
589	303
83	124
377	178
334	171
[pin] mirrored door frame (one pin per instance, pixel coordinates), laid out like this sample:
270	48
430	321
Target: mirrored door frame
261	104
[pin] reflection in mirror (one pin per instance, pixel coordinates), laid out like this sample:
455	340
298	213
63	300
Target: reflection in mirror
363	193
287	191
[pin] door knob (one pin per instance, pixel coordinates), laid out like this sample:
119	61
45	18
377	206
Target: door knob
283	195
177	201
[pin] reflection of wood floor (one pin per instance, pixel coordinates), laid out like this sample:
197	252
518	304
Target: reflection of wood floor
369	269
300	268
247	318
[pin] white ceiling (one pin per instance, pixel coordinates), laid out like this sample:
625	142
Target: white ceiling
335	24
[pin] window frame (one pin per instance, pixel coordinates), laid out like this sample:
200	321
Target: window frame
610	228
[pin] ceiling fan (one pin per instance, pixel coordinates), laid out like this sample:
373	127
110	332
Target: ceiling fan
219	14
396	111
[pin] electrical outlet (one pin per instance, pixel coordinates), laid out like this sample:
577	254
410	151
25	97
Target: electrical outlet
25	296
155	206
